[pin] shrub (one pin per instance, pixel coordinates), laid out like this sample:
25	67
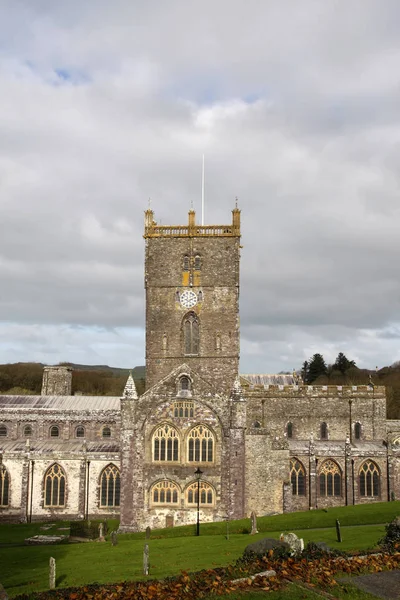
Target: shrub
391	541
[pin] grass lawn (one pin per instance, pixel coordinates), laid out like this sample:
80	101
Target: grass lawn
25	568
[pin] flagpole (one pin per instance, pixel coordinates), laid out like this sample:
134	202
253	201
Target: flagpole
202	194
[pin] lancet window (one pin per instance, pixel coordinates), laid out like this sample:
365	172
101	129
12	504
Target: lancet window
197	262
369	479
54	486
324	431
200	444
330	479
357	431
191	334
164	492
183	409
166	444
297	478
110	486
289	430
4	486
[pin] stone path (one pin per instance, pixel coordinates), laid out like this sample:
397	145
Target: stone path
384	585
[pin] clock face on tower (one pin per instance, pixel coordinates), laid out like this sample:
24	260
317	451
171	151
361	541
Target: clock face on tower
188	299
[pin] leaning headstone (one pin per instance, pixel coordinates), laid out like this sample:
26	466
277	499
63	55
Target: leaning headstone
253	518
148	532
146	559
3	593
262	547
52	573
296	544
114	538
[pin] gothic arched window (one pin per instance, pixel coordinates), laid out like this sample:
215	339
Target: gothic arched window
289	429
184	383
197	262
369	479
324	431
4	486
357	431
166	444
164	492
110	486
186	263
207	495
191	334
330	479
200	445
54	431
297	478
3	431
28	430
80	431
54	486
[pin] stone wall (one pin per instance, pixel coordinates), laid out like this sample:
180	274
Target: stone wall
57	381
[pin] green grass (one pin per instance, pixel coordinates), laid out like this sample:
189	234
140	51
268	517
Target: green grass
25	568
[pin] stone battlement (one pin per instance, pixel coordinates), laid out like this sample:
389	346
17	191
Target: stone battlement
317	390
152	230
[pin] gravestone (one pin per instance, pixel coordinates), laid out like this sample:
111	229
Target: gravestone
169	521
253	518
52	573
146	565
338	532
148	533
114	538
296	545
101	532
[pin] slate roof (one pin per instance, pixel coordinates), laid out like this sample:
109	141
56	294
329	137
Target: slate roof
59	446
64	403
269	379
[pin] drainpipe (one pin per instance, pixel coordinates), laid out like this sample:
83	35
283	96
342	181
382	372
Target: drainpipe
352	480
87	489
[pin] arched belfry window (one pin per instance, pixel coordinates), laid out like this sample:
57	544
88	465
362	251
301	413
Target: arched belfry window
289	430
191	334
110	486
186	263
297	478
54	486
330	479
369	479
200	445
4	486
357	431
324	431
197	262
166	444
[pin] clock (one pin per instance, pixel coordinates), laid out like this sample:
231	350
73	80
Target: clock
188	299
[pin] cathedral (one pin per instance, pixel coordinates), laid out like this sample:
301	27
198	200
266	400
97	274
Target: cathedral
201	436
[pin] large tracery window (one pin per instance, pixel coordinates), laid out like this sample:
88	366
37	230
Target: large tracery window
200	445
110	486
166	444
54	486
297	478
330	479
206	494
191	334
4	486
164	492
369	479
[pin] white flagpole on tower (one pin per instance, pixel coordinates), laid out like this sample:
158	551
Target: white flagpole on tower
202	194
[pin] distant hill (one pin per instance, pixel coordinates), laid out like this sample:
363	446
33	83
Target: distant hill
91	380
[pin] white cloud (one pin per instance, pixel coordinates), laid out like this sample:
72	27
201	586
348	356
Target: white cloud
297	108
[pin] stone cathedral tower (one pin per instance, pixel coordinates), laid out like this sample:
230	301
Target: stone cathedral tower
192	299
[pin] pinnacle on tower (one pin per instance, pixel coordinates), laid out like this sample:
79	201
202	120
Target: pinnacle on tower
130	388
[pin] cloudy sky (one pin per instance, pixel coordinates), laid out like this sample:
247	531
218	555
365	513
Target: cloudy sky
296	106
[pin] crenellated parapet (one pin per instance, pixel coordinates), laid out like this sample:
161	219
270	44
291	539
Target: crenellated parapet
152	230
323	391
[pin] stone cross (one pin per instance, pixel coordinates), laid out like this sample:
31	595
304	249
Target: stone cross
52	573
114	538
253	518
101	532
146	565
148	532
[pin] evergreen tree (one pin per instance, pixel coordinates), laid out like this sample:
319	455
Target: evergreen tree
316	367
304	371
342	363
